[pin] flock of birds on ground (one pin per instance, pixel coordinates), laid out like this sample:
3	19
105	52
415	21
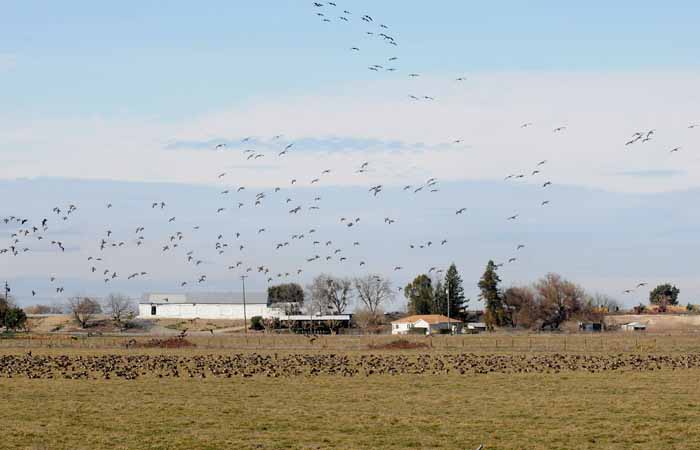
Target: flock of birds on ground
131	367
174	245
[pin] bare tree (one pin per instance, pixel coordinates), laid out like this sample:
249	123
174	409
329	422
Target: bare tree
83	309
560	300
373	291
120	309
329	294
521	306
368	321
604	303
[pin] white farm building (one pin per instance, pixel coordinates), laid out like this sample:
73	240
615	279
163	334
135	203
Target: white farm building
426	324
205	306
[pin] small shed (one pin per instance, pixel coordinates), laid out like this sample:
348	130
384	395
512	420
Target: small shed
476	327
633	326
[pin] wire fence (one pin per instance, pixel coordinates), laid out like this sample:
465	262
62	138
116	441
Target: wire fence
577	343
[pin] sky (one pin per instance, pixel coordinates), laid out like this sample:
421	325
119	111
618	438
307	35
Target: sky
125	104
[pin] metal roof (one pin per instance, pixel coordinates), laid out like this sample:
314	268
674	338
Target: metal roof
220	298
306	317
432	319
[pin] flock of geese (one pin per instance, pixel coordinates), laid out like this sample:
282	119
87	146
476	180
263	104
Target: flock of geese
177	245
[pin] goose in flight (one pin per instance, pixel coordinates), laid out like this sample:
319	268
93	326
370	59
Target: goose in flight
547	183
521	246
545	203
641	285
558	129
674	150
512	260
513	217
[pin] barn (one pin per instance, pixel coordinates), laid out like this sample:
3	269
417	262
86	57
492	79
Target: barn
204	305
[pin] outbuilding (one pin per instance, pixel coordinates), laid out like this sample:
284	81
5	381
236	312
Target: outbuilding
426	324
476	327
633	326
203	305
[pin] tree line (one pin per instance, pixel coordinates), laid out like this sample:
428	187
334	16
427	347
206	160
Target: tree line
551	301
331	295
426	295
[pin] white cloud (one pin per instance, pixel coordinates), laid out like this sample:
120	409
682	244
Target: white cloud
600	111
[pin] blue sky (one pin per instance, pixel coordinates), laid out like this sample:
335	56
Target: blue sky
124	102
131	57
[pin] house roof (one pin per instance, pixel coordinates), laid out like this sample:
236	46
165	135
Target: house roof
222	298
432	319
635	324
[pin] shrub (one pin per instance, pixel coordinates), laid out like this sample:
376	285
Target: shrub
15	318
256	323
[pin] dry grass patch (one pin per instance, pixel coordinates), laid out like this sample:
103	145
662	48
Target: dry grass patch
533	411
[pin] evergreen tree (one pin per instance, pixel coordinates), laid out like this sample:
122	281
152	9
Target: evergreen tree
495	312
455	291
440	299
420	295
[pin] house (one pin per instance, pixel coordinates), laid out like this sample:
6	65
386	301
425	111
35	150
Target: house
426	324
205	306
476	327
633	326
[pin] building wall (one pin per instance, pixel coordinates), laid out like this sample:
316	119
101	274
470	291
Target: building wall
202	311
400	328
404	328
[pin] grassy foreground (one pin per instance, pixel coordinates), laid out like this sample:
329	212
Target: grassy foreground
659	409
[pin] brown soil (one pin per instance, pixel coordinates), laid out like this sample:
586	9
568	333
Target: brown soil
399	344
173	342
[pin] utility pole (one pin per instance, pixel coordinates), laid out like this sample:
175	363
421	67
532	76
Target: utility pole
449	320
7	292
245	319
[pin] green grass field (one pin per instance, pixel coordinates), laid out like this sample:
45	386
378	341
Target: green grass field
564	411
567	410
